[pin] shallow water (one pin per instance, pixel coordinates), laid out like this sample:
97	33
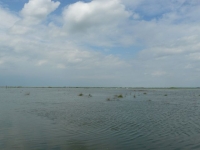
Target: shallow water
59	119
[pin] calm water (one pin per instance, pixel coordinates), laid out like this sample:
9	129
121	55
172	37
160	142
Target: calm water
59	119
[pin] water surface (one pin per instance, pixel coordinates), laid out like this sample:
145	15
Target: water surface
59	119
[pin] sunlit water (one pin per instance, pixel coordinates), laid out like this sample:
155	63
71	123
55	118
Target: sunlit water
59	119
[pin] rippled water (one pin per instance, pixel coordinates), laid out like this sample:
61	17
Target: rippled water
59	119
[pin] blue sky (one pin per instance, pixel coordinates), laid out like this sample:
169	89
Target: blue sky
128	43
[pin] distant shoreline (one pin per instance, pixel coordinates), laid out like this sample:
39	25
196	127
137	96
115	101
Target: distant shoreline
100	87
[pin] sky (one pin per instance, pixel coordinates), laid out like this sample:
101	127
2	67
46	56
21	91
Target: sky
100	43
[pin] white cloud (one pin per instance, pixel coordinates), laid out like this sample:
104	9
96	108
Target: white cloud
7	18
86	23
33	14
169	39
36	11
82	16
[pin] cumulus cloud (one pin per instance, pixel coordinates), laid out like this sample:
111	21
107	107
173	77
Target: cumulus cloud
71	45
33	14
7	18
86	22
81	16
36	11
38	53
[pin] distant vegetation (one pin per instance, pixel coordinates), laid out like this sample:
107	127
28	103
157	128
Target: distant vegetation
81	94
120	96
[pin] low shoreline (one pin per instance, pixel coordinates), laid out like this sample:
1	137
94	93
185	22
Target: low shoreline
138	88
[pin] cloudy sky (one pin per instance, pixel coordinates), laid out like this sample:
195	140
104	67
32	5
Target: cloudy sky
129	43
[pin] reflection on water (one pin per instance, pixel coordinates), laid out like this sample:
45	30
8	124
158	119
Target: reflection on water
60	119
